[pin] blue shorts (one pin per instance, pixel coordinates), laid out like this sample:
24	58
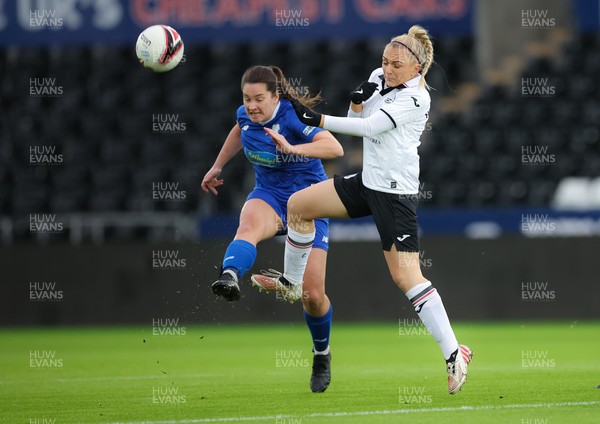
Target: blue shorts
321	225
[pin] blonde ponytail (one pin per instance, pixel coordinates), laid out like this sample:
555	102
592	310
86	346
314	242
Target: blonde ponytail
418	42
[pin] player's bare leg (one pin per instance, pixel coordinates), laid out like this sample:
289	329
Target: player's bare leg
406	272
314	299
258	221
317	201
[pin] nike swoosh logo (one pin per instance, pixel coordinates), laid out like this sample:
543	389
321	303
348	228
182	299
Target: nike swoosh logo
359	91
306	116
404	236
228	257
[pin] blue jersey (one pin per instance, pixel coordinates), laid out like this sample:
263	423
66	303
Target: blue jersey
281	174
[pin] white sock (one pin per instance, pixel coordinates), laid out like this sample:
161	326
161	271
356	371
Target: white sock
231	272
325	352
428	305
297	250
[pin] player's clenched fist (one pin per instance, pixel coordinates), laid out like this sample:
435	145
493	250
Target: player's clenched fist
305	114
363	92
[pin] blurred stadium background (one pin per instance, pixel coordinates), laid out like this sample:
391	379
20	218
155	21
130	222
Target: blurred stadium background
101	160
103	223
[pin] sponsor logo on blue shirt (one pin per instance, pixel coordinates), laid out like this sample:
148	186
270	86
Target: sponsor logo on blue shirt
262	158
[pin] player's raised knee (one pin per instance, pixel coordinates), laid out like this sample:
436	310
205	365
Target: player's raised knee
298	207
250	228
246	224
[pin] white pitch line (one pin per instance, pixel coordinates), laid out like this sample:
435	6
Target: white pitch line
363	413
124	377
135	377
117	378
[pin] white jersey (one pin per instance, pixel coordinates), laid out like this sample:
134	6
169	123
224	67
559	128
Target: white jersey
390	158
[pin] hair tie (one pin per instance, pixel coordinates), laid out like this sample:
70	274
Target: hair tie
409	49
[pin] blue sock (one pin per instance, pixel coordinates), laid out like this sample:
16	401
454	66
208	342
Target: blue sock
320	328
239	257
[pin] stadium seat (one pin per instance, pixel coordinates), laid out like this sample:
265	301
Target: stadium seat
102	124
594	194
572	193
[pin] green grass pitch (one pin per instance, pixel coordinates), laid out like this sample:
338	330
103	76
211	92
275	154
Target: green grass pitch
524	373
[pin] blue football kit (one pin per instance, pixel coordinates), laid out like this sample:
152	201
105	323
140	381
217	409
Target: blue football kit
278	175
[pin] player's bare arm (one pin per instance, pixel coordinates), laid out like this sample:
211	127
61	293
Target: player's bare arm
231	147
323	146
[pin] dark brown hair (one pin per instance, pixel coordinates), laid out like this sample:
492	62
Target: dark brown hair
276	82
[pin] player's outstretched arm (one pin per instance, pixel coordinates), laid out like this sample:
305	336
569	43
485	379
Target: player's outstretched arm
323	146
358	96
231	146
361	127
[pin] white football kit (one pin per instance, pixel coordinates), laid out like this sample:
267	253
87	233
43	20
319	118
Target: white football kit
393	120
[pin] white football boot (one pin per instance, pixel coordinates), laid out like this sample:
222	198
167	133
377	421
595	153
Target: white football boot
274	281
457	370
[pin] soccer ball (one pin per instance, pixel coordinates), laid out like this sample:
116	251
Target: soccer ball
159	48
